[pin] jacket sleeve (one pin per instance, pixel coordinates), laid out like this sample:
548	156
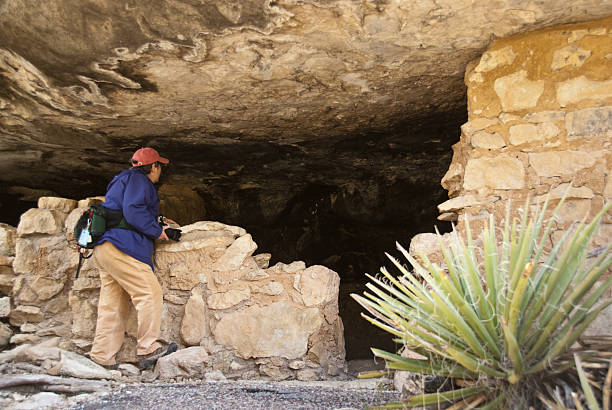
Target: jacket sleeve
137	207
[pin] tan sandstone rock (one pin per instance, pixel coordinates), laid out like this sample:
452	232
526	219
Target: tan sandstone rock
501	172
60	204
235	255
279	329
189	362
194	325
318	285
516	92
41	221
581	88
560	163
228	299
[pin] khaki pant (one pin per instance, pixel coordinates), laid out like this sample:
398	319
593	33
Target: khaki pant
123	278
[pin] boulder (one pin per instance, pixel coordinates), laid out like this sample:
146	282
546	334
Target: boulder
318	285
189	362
280	329
60	204
194	325
235	255
41	221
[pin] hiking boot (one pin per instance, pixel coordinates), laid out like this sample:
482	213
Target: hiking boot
106	366
147	360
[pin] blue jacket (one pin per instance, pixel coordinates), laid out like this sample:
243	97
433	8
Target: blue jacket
136	196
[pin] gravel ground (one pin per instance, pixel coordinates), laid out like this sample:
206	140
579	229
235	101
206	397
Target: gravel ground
236	395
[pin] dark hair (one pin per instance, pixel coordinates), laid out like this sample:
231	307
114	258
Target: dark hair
146	169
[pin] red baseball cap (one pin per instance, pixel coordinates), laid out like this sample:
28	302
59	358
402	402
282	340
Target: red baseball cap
146	156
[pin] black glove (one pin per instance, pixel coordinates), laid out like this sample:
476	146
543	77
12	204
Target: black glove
174	234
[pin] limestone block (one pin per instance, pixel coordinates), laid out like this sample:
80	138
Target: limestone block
75	365
274	372
263	260
84	315
24	338
491	60
307	375
270	288
297	364
477	124
43	400
545	116
39	353
189	362
194	325
582	192
487	140
318	285
293	267
451	181
5	335
228	299
464	201
571	55
46	287
560	163
197	239
234	256
526	133
213	226
522	133
255	274
592	122
280	329
41	221
84	283
8	235
516	92
87	202
60	204
581	88
501	172
5	306
46	256
24	313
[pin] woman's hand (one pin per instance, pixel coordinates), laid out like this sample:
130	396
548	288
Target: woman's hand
163	235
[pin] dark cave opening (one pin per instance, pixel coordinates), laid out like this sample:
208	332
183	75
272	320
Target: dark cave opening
340	203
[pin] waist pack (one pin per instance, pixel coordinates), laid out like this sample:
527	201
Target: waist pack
91	225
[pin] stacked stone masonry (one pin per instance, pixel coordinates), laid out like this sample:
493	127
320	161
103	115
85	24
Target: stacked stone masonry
539	123
228	310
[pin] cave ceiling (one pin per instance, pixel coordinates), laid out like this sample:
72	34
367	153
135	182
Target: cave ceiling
252	94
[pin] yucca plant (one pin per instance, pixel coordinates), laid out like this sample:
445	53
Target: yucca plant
500	320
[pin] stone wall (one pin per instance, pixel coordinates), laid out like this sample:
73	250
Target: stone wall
229	309
539	119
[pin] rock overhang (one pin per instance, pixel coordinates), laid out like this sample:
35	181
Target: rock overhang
256	102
